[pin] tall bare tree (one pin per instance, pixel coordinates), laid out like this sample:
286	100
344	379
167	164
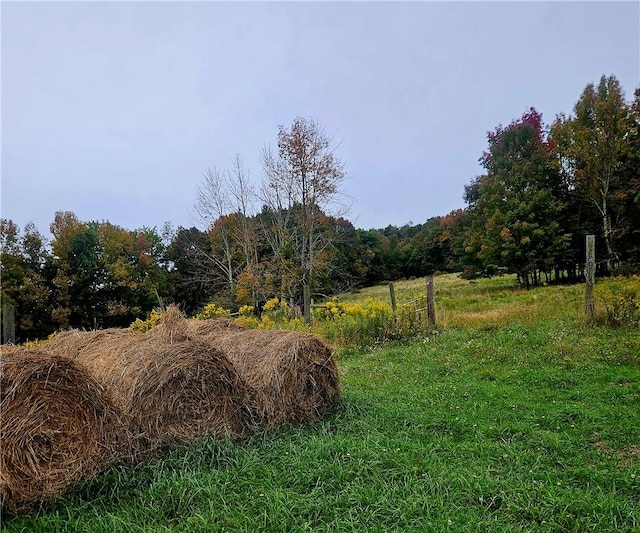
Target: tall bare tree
224	201
301	190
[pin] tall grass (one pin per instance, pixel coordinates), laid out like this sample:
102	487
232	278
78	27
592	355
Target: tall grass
512	415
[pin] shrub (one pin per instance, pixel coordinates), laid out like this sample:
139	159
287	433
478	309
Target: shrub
621	300
276	310
145	325
213	310
356	323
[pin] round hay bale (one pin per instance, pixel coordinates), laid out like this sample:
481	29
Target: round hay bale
57	426
166	392
293	375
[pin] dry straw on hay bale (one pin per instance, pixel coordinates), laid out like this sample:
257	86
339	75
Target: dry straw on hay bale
57	426
167	391
175	327
70	343
6	349
293	375
212	327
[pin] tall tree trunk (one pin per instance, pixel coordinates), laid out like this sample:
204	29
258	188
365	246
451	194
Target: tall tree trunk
608	235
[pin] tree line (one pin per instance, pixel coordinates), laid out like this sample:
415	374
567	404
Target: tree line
543	188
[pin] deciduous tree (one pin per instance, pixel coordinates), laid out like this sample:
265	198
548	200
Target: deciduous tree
594	141
302	189
23	271
224	205
517	203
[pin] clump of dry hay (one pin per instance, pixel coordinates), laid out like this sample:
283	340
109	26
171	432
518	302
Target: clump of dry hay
293	375
167	391
57	426
171	328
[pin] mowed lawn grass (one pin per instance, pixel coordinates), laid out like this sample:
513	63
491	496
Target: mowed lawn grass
513	415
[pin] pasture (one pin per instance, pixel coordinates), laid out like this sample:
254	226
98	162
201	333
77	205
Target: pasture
512	415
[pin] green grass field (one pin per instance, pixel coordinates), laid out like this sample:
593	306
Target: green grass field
513	415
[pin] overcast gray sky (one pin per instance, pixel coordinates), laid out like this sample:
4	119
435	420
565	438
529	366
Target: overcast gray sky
116	110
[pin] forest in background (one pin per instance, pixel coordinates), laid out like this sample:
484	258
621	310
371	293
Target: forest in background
544	188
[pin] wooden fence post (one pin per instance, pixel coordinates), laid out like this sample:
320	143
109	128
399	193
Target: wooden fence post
431	302
392	294
590	275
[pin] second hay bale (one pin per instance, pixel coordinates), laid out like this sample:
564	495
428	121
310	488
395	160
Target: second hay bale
293	375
